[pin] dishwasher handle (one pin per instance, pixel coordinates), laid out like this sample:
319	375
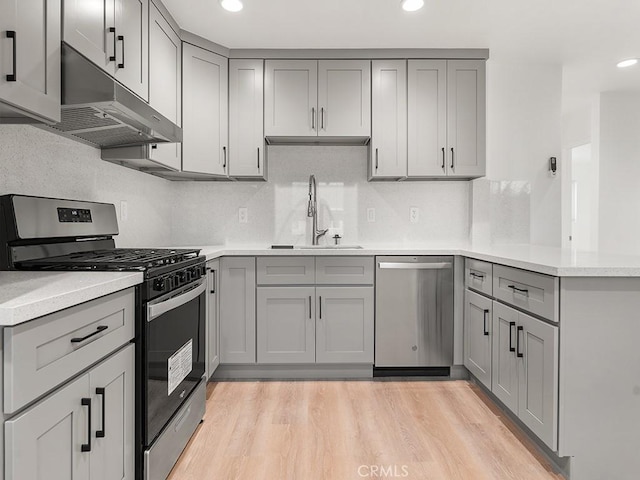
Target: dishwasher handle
415	266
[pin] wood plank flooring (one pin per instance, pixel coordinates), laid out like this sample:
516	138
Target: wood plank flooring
342	430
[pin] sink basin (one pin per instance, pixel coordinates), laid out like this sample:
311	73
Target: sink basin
327	247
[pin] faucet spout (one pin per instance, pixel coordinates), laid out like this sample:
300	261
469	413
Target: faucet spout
312	211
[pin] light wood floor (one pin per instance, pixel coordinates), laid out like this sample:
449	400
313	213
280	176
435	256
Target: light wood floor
341	430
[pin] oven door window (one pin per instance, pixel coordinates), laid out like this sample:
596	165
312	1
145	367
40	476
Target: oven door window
174	359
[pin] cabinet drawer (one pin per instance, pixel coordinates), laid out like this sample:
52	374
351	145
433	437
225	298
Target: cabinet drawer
344	270
478	276
533	292
285	270
41	354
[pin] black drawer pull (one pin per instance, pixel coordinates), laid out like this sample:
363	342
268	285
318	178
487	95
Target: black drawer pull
524	291
86	447
443	158
511	347
309	306
484	322
101	328
112	58
477	275
121	38
12	77
518	353
321	307
101	391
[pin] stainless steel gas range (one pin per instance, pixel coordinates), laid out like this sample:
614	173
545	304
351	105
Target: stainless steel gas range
57	235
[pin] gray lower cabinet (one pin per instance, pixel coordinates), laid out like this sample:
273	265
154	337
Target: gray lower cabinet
213	317
238	310
525	370
344	325
477	336
286	325
56	439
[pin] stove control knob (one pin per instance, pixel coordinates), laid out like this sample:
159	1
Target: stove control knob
189	275
180	278
158	284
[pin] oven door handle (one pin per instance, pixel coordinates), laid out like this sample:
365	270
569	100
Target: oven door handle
157	309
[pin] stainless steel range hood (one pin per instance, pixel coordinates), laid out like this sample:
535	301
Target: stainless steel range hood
100	112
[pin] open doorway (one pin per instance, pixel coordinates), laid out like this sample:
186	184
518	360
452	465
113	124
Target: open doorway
584	199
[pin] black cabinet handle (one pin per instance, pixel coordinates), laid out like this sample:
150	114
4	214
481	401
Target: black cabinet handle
376	159
518	353
86	447
451	158
524	291
313	118
511	325
309	306
484	322
322	118
258	158
224	161
12	77
101	391
101	328
121	38
213	281
443	158
112	58
476	275
320	307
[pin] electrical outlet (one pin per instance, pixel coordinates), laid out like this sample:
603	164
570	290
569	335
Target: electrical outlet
371	215
124	211
414	214
243	215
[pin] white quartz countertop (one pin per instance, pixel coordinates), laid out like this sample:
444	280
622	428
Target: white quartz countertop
28	295
548	260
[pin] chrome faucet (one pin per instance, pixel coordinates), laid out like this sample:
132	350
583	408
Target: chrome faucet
312	211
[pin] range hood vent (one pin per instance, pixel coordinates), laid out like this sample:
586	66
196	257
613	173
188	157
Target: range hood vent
100	112
338	141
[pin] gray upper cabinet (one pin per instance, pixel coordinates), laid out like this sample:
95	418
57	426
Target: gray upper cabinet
55	439
477	336
30	60
114	35
246	119
205	112
446	118
290	98
165	77
308	98
213	317
286	325
466	118
238	310
389	119
344	325
344	98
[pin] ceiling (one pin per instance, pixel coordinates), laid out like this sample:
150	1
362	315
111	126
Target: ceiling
588	37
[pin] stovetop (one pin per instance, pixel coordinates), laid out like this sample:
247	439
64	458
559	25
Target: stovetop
116	259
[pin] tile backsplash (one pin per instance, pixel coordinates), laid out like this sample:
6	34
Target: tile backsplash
207	213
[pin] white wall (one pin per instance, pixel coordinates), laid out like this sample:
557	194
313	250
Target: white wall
206	213
619	158
36	162
519	201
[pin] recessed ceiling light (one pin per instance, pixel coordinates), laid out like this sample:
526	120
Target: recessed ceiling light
231	5
627	63
412	5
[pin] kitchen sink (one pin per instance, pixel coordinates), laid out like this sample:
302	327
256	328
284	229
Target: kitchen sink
327	247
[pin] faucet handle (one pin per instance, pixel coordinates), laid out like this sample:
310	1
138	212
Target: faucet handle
336	239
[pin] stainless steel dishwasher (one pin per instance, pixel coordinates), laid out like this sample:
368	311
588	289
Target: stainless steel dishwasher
414	315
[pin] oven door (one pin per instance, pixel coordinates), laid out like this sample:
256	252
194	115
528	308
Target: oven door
174	353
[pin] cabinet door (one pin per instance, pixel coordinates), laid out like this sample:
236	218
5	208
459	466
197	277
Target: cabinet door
204	122
427	136
112	387
90	28
477	336
286	325
344	98
246	118
238	310
213	318
44	442
32	57
389	119
466	99
537	342
290	98
504	366
344	325
132	46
